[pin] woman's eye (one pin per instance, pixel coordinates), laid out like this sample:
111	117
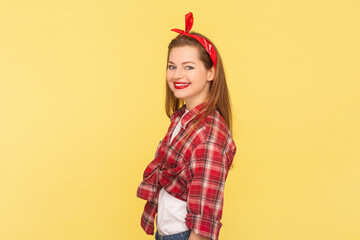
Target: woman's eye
189	67
171	67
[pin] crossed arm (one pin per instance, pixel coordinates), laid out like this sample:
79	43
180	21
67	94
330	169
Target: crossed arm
205	198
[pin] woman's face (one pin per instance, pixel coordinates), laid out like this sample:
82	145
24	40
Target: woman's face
187	76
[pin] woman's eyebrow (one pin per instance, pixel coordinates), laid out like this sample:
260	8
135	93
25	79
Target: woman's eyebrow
183	62
188	62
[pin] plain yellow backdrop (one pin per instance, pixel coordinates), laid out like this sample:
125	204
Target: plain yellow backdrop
82	86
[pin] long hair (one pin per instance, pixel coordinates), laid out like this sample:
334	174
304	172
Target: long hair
218	97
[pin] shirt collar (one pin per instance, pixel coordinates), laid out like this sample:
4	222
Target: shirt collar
188	116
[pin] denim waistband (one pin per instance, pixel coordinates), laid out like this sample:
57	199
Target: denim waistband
178	236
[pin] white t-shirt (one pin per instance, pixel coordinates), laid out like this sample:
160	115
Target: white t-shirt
171	211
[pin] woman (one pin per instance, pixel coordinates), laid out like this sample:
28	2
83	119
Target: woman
184	184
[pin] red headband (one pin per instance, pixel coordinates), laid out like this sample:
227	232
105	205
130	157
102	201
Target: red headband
189	20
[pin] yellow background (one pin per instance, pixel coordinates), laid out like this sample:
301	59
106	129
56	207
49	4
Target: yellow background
82	86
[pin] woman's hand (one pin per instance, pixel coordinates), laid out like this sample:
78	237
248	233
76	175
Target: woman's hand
194	236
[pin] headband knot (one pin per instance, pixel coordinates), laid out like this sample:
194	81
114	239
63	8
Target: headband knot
189	21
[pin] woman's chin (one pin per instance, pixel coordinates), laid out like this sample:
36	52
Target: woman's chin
179	96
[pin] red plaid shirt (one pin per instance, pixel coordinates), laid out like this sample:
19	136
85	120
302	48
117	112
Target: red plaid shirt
194	171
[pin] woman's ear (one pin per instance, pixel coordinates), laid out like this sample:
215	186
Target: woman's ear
211	74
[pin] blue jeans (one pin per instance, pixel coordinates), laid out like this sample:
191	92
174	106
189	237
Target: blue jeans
178	236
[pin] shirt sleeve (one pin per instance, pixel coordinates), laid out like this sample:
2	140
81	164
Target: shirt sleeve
208	167
148	217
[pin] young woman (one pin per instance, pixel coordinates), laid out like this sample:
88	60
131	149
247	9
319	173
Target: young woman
184	184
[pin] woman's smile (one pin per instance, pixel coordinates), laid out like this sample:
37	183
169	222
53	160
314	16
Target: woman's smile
181	85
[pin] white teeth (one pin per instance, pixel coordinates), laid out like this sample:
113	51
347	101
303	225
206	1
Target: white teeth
181	84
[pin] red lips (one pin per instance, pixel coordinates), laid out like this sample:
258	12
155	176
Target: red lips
181	85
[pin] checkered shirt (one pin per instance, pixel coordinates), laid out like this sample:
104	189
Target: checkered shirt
193	170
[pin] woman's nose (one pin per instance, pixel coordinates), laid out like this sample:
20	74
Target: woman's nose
178	74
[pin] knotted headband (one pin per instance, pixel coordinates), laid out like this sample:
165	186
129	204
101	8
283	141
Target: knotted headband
189	20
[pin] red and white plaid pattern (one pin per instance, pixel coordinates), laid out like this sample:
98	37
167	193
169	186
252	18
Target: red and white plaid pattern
193	170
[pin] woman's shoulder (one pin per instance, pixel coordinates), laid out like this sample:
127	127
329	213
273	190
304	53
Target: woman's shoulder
215	136
214	129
